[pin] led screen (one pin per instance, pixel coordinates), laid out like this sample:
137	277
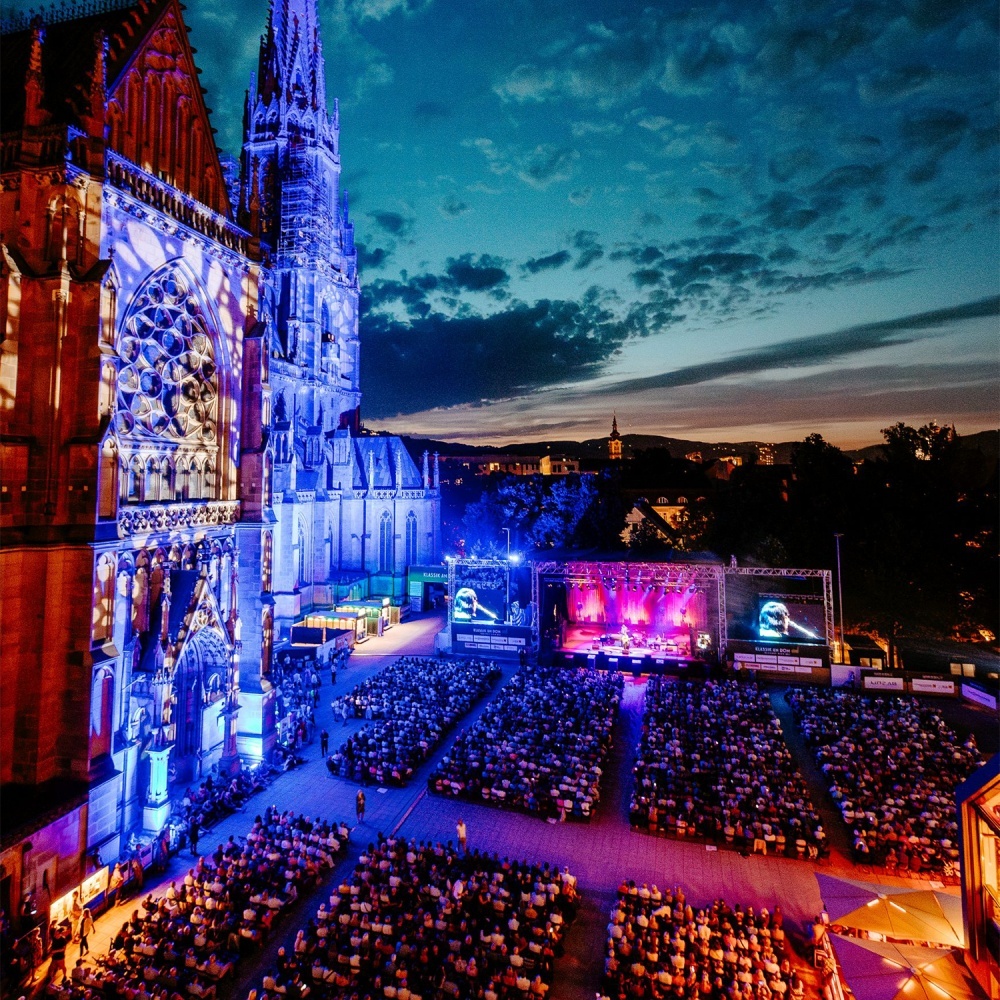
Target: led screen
480	594
782	620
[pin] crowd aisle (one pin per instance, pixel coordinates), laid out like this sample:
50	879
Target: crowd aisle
892	766
712	763
540	747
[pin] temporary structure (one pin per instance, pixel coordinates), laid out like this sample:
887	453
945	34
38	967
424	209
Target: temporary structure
897	912
877	970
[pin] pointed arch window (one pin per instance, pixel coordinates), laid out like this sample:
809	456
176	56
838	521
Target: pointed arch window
411	539
385	554
299	556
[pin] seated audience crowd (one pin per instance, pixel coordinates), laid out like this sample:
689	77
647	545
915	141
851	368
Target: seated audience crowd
215	798
188	941
422	921
713	763
893	766
660	947
413	703
539	747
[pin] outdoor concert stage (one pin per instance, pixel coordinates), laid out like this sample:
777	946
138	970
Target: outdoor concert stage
653	617
628	648
638	616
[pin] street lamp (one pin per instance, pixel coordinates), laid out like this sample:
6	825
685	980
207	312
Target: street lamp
506	607
837	535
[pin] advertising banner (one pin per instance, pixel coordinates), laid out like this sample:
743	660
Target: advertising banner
778	656
979	697
927	685
496	640
883	683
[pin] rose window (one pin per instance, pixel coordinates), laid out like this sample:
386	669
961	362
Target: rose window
168	381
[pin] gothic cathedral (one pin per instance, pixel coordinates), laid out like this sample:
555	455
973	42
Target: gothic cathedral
185	473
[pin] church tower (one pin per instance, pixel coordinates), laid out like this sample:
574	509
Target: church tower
349	511
614	440
290	199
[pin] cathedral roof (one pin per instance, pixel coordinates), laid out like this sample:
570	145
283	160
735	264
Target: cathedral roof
68	56
387	462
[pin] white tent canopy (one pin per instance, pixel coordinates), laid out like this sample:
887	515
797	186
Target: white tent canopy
893	911
878	970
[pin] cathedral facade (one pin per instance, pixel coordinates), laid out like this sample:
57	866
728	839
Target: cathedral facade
184	469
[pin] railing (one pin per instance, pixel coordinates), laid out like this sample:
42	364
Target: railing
126	176
153	518
57	13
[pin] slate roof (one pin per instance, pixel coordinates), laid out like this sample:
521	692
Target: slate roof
68	58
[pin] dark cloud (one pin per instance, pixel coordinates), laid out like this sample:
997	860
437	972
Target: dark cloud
729	267
647	276
834	242
442	361
590	250
806	351
373	258
470	275
412	294
787	211
392	222
549	263
647	219
938	130
451	206
783	254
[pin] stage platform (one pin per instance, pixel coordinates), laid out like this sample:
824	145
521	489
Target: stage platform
632	649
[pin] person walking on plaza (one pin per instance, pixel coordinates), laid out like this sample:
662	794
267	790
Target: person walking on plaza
58	938
76	911
359	805
115	883
193	831
324	743
463	835
85	928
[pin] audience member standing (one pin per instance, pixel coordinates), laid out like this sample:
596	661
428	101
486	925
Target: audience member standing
359	805
463	835
86	928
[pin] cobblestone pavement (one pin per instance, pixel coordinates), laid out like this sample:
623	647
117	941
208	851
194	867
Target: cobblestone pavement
601	853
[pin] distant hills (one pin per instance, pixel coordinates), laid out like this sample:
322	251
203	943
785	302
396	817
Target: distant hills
985	442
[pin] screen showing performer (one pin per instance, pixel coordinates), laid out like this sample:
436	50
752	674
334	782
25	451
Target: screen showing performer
790	621
468	608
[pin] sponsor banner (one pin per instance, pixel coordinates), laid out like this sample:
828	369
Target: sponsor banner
803	670
789	661
500	640
810	661
764	658
979	697
927	685
883	683
745	658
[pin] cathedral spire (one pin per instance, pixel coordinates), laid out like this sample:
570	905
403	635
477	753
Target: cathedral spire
291	63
